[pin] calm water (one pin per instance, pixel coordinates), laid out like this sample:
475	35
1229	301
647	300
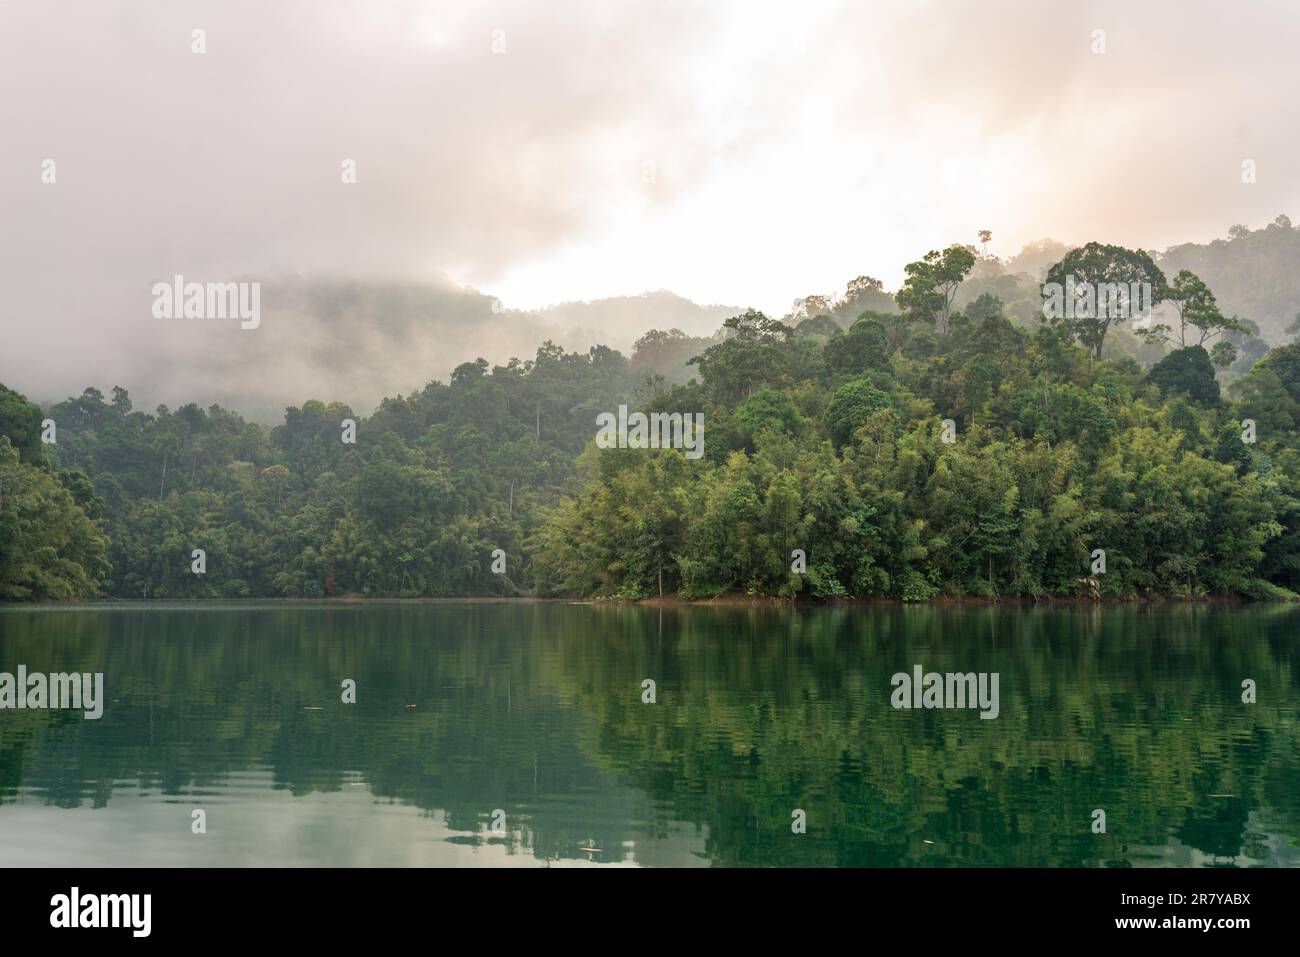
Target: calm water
464	709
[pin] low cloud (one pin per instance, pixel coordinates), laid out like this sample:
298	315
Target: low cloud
732	152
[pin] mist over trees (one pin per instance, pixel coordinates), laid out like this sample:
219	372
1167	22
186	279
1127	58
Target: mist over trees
827	431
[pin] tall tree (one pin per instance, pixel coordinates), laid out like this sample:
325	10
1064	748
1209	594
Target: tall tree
1196	306
1102	267
931	285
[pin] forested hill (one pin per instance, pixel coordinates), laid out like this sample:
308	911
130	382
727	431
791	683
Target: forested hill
828	441
365	339
1254	273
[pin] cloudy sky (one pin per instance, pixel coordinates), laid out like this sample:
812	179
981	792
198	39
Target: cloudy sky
733	152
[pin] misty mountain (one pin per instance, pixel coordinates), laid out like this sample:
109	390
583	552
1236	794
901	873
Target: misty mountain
359	341
1255	274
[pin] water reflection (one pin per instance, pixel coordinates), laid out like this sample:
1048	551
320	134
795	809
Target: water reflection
535	710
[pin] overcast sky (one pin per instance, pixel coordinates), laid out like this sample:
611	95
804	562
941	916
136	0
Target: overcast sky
733	152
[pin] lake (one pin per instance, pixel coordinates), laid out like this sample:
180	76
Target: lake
516	734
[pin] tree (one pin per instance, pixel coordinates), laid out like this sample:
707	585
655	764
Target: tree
810	306
820	325
863	294
766	410
121	400
862	287
831	445
20	420
865	346
1189	372
852	405
931	285
985	307
752	326
758	353
49	547
1101	267
1223	354
278	477
665	353
1196	306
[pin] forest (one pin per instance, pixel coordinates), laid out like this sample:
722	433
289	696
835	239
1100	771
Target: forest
942	441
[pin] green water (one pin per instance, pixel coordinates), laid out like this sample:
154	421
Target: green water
467	709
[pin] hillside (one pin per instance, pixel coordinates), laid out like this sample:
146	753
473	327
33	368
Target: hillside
913	455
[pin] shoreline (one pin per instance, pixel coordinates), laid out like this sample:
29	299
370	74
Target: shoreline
734	600
947	600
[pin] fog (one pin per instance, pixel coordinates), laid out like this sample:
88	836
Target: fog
541	153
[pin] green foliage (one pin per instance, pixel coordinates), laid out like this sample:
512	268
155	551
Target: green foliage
21	422
666	354
434	483
865	346
758	352
49	547
1098	265
1253	272
931	285
766	715
1196	306
1057	454
820	325
763	411
1189	372
852	406
831	445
